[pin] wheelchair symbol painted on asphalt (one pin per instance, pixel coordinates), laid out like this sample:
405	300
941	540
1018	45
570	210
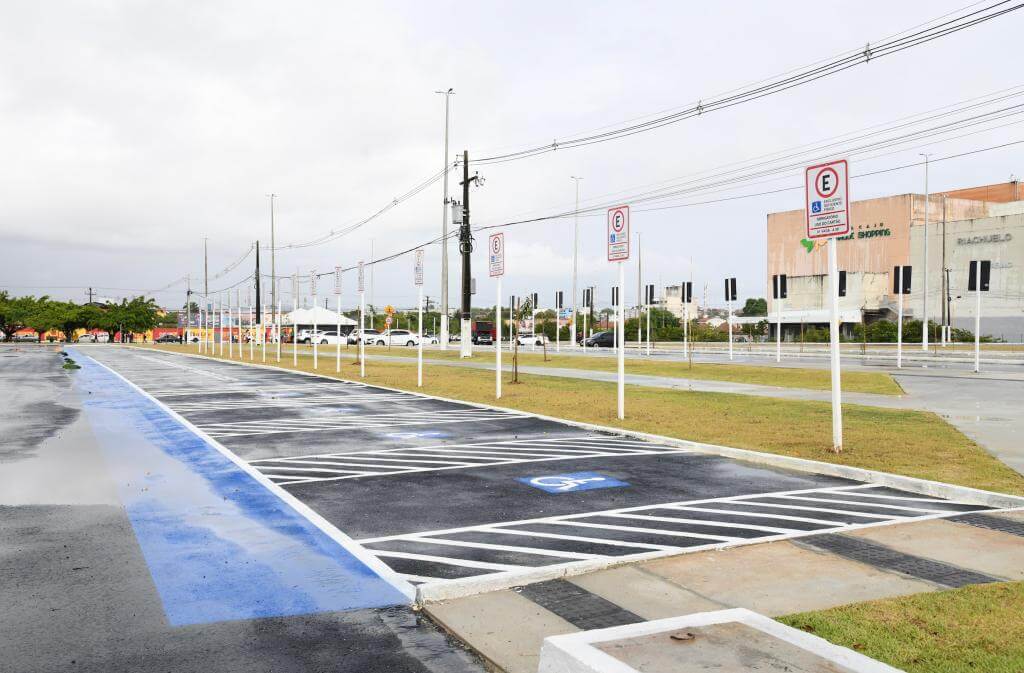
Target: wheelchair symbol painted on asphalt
571	482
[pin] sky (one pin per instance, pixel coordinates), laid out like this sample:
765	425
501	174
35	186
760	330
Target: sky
132	131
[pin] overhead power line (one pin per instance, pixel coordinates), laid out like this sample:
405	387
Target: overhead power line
772	86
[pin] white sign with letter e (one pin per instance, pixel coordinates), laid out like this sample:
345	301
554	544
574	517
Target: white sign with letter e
618	234
828	205
496	254
418	274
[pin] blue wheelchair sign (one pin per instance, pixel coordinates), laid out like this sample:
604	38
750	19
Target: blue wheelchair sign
815	206
571	482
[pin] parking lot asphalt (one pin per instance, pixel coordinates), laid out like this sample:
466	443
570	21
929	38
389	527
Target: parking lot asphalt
126	545
439	490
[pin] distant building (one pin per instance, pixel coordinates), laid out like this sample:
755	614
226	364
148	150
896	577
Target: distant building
672	301
976	223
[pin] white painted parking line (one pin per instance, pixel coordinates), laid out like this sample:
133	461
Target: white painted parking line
446	560
586	528
873	504
461	456
355	422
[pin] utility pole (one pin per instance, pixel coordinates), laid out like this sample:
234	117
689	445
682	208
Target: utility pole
575	255
444	228
273	268
924	299
466	248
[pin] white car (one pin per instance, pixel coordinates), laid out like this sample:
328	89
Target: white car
531	339
371	334
322	337
394	337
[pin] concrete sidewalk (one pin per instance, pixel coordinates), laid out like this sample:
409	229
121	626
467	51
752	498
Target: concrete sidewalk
778	578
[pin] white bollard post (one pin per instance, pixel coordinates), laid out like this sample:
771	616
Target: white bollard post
497	349
977	320
899	320
622	344
837	409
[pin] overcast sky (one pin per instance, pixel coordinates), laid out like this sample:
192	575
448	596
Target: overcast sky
132	130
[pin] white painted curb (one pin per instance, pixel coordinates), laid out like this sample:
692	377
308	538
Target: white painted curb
576	652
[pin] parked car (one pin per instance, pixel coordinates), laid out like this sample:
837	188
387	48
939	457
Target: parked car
531	339
430	338
354	335
600	339
86	338
323	337
395	337
167	338
103	337
26	338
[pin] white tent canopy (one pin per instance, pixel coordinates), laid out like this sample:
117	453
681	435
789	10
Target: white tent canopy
316	316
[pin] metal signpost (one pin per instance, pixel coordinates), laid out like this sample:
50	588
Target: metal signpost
418	280
558	321
312	336
779	293
362	319
649	301
978	280
277	293
248	304
617	239
295	320
496	261
337	332
827	191
900	286
730	297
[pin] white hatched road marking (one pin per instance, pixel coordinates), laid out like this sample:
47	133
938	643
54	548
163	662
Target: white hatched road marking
454	456
577	523
349	422
269	400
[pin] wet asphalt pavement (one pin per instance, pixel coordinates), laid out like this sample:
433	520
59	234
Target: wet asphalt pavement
79	592
166	513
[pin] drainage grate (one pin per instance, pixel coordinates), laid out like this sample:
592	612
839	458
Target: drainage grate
885	558
990	522
578	606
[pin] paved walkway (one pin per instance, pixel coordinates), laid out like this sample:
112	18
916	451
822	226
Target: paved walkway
778	578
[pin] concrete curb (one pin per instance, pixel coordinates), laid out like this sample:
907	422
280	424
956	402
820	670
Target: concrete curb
474	585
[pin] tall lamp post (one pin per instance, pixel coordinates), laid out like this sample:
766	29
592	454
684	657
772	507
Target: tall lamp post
575	254
444	227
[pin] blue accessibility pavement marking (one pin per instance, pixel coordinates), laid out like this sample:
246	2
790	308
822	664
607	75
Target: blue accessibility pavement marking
219	545
571	482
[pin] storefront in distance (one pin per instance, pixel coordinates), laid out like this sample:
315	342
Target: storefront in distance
975	223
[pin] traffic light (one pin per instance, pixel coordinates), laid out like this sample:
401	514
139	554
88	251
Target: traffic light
533	300
588	298
558	300
730	289
649	296
686	292
615	296
842	283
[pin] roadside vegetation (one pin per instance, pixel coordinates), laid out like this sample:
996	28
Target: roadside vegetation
813	379
974	628
43	315
913	443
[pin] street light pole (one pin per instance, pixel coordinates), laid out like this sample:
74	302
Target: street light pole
466	247
924	299
444	227
273	268
575	255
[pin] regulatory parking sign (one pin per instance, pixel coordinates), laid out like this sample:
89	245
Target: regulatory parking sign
828	204
618	234
496	254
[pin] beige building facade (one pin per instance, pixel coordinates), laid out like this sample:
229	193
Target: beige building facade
976	223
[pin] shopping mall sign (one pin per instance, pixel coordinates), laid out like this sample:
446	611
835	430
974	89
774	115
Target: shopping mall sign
828	205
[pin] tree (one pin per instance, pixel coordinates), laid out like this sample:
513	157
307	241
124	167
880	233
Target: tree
44	316
754	306
15	312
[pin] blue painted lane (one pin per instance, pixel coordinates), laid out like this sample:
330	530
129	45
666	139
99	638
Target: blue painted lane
219	545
